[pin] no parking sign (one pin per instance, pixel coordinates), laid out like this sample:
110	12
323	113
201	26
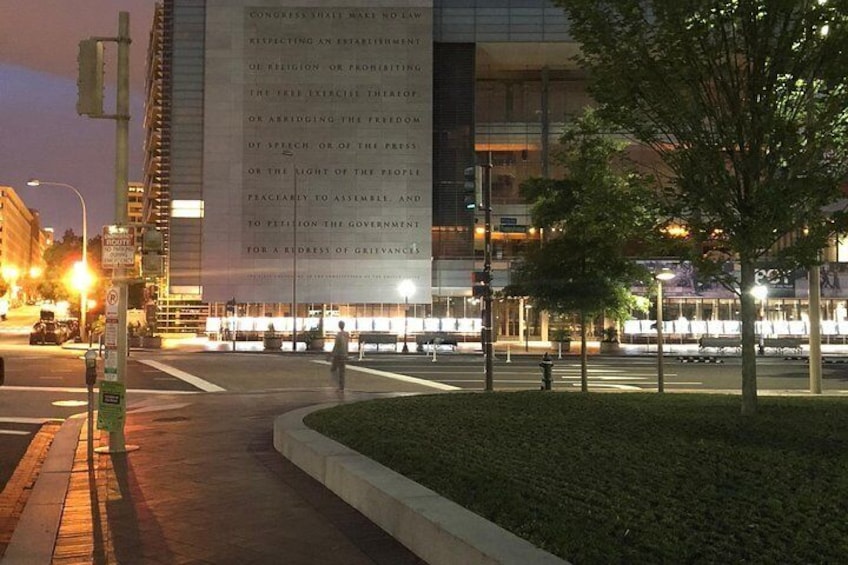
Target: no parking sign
110	338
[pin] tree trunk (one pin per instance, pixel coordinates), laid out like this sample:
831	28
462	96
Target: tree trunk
584	354
749	358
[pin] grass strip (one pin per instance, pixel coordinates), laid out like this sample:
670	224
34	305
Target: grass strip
625	478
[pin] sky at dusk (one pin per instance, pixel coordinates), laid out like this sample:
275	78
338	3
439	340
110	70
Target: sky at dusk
41	134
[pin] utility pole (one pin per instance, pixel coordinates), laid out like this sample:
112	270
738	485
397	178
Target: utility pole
91	104
117	441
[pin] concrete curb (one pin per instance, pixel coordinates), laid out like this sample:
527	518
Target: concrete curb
35	533
437	530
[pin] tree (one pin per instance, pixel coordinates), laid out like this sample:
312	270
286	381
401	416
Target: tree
590	219
745	102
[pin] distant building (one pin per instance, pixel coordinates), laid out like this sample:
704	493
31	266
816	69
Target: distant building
22	245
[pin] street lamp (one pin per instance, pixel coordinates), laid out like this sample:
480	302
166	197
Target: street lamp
662	276
406	288
287	153
83	289
760	292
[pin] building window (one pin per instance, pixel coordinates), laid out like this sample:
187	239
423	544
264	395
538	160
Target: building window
187	208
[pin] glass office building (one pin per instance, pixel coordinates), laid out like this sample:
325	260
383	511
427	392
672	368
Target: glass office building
310	159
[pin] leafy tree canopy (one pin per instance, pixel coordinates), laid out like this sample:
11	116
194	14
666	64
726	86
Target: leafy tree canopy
590	217
747	103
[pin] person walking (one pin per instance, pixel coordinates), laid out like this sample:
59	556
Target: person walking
339	355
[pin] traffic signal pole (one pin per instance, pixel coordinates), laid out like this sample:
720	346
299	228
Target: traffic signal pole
487	270
90	103
117	441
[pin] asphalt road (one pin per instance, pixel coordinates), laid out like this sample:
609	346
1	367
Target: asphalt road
634	373
47	382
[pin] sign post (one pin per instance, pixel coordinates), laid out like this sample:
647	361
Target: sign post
118	245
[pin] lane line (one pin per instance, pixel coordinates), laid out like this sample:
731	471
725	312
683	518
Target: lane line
14	433
27	420
183	376
82	390
395	376
157	408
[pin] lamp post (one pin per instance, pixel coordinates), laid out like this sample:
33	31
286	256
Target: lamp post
406	288
662	277
83	293
294	252
760	292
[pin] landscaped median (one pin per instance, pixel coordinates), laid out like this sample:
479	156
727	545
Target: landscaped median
636	478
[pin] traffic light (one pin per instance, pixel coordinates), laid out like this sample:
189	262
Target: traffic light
90	78
152	253
473	187
479	283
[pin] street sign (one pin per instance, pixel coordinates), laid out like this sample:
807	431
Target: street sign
118	247
112	298
112	406
110	364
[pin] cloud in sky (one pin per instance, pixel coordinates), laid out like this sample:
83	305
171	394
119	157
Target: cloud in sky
42	135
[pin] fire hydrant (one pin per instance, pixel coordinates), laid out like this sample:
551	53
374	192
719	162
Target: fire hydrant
547	368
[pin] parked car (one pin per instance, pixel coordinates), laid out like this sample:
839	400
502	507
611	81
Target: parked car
72	328
48	332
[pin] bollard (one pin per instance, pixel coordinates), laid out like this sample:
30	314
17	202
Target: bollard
547	367
508	358
435	346
361	351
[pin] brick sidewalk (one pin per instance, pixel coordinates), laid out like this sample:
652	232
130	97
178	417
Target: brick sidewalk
207	486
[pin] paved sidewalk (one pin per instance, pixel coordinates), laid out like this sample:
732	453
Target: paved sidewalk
207	486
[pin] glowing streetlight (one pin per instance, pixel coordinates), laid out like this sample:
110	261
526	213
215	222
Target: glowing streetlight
81	278
662	277
9	273
83	299
760	292
406	288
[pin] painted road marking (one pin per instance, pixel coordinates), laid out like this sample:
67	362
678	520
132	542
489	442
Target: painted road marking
395	376
27	420
14	433
82	390
183	376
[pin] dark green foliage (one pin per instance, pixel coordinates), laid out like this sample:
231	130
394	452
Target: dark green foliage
600	478
746	102
589	217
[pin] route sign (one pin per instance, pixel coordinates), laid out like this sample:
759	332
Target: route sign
118	247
